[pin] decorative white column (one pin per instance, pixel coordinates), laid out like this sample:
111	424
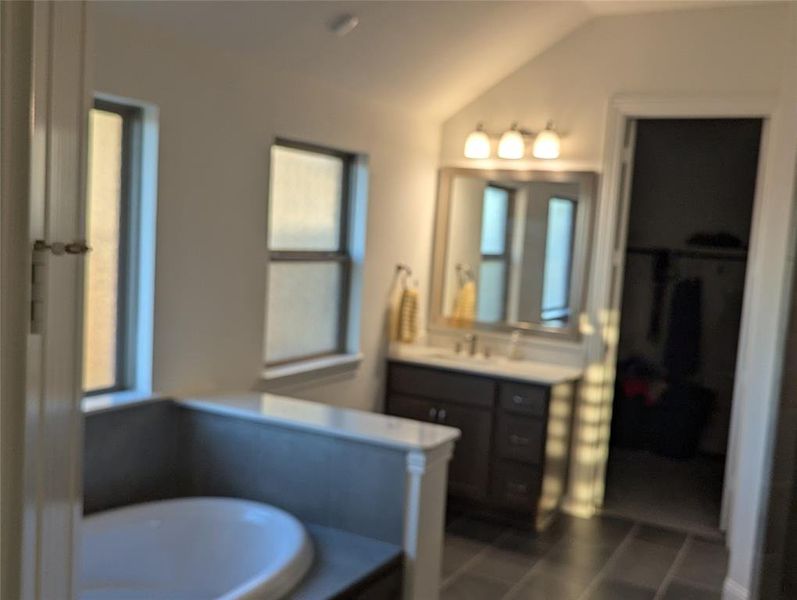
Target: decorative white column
424	520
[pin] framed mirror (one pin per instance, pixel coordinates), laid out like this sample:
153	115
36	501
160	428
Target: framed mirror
511	250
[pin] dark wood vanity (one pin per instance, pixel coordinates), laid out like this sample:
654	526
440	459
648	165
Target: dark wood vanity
512	459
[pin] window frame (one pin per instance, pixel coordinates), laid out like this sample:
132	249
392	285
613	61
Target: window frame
126	292
342	256
565	312
506	256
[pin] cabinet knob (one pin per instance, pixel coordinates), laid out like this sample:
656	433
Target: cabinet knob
433	414
518	440
519	400
441	416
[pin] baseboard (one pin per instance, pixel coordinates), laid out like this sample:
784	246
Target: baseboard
732	590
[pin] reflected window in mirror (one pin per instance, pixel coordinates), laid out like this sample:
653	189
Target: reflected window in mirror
558	260
495	257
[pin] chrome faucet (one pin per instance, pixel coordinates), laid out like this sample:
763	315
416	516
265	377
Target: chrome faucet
470	342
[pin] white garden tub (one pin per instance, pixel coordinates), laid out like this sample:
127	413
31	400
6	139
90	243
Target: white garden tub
193	549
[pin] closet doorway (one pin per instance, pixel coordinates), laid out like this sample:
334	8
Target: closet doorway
693	184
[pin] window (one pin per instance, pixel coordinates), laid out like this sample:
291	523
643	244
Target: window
558	259
109	281
495	256
310	261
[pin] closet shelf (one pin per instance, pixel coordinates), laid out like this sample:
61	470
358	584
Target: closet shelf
739	254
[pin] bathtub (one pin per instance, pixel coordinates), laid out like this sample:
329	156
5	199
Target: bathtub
192	549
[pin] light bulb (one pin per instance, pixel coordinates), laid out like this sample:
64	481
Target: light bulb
512	145
546	144
477	145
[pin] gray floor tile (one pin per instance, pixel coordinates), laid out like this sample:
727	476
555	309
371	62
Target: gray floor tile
525	542
503	564
704	565
549	584
474	587
643	564
561	562
683	591
475	529
457	551
659	535
588	555
606	530
619	590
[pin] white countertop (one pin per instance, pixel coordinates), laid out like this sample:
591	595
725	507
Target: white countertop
357	425
496	366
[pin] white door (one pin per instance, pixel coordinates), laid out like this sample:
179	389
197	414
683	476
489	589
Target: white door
48	342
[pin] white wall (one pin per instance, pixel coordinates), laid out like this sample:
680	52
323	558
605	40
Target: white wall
735	50
218	117
465	235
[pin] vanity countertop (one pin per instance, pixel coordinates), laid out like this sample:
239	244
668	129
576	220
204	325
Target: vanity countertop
496	366
358	425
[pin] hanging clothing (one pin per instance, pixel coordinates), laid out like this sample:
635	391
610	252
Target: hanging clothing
682	350
661	273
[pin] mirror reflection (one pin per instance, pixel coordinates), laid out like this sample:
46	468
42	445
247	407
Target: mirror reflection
511	256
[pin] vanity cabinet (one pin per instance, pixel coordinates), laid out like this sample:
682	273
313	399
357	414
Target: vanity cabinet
513	455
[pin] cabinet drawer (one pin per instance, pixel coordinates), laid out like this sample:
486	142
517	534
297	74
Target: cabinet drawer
524	399
441	385
516	485
520	438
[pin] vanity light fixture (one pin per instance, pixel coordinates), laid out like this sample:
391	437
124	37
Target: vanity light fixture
512	143
546	144
477	145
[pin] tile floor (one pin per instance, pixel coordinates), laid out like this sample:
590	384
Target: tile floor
684	494
575	559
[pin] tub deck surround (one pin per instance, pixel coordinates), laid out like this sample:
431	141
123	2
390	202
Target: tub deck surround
355	425
496	366
367	474
427	450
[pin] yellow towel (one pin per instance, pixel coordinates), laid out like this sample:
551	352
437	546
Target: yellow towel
465	304
408	316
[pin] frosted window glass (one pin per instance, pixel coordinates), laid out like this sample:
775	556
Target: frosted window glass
558	255
490	304
306	190
303	309
494	216
102	263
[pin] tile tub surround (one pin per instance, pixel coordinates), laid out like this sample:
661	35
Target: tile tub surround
575	559
131	455
371	475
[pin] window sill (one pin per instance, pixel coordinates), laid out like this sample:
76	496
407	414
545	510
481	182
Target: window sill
310	369
114	400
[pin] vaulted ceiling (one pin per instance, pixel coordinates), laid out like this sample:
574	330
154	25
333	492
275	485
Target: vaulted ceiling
429	57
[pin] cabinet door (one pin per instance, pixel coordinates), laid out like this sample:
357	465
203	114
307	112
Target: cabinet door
468	473
409	407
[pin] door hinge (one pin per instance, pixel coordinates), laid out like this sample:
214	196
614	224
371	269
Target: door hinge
61	248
